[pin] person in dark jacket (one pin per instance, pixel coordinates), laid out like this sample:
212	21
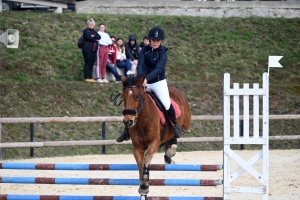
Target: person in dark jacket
152	63
132	52
145	42
89	49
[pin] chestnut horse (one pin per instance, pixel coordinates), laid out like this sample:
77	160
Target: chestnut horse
145	128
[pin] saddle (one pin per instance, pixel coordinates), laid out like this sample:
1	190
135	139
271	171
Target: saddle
164	118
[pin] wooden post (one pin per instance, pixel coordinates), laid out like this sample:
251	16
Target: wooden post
0	135
31	139
242	133
103	136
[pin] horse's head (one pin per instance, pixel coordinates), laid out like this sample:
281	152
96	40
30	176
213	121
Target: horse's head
133	97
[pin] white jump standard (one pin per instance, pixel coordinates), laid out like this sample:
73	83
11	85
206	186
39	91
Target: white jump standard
256	138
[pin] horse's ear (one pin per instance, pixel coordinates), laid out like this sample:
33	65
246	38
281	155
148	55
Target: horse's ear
141	81
123	79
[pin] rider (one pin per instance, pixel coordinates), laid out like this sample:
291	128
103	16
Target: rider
152	63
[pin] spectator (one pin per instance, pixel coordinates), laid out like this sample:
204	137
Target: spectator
145	42
102	54
152	64
122	61
112	59
132	52
89	49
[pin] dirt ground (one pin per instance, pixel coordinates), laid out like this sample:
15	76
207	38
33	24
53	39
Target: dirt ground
284	176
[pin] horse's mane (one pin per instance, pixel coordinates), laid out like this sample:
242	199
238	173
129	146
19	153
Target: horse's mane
132	80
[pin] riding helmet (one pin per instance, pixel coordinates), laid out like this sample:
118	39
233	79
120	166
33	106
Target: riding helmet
156	33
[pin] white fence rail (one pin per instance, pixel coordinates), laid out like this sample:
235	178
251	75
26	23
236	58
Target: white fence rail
119	119
113	142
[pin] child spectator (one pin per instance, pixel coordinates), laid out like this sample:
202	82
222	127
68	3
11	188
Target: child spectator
145	42
102	54
122	61
132	52
112	59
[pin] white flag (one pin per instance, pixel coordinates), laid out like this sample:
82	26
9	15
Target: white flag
274	61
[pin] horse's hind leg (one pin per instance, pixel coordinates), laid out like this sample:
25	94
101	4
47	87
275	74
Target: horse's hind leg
170	147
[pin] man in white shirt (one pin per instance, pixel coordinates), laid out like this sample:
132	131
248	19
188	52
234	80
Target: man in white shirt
102	54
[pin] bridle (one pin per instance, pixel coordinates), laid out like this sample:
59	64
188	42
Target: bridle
137	111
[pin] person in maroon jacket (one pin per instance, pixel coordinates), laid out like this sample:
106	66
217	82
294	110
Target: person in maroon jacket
89	49
112	59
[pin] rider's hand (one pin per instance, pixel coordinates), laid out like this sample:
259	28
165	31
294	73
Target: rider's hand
145	82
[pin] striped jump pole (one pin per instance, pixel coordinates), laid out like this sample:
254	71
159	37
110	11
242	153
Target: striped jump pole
122	167
109	181
69	197
105	181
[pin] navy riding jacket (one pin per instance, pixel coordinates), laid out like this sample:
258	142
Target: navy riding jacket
152	63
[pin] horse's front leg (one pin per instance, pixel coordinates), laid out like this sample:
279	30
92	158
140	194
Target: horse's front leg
139	158
144	182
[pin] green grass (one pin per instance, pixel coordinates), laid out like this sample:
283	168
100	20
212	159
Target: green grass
44	76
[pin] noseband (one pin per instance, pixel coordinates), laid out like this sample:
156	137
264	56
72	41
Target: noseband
141	102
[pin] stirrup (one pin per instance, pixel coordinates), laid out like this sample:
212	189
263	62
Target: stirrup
178	130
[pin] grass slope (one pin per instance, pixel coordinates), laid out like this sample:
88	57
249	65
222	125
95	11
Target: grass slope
44	76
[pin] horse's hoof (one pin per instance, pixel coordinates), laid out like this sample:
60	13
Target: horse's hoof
143	192
172	162
168	160
144	197
171	151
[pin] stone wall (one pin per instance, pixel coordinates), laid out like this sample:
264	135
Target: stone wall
219	9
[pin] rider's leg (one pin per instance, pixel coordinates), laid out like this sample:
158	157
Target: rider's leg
178	130
125	136
161	90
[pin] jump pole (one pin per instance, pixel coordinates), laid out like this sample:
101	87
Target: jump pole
70	197
117	167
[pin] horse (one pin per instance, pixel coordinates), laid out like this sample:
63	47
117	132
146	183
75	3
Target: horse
145	128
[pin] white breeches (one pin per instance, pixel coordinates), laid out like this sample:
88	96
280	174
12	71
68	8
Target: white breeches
161	90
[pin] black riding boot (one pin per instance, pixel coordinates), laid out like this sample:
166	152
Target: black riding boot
125	136
178	130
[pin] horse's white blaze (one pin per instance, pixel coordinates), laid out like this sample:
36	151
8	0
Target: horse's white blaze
129	92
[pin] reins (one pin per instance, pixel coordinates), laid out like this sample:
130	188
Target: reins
136	112
116	98
141	102
125	111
